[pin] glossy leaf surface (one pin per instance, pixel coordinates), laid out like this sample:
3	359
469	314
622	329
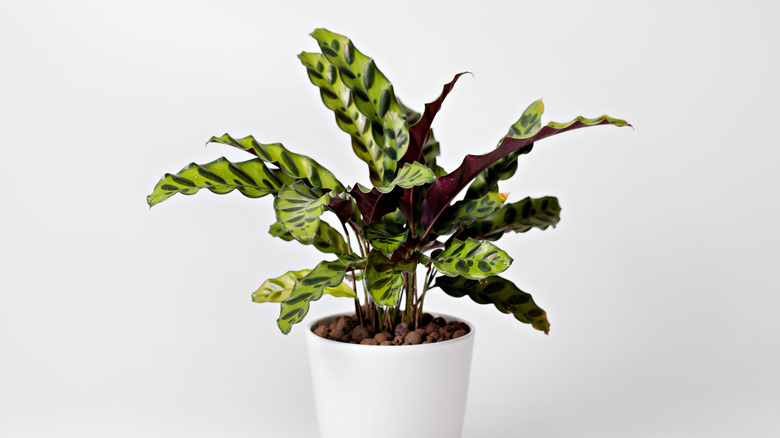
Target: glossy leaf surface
472	259
276	290
383	280
326	239
310	288
411	175
372	94
294	165
464	213
386	237
298	209
519	217
252	178
500	292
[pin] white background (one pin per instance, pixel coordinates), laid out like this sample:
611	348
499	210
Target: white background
660	282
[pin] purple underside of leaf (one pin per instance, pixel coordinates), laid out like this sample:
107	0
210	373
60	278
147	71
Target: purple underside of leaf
419	133
444	190
341	207
375	204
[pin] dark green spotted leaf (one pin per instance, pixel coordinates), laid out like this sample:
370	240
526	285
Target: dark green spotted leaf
464	213
472	259
298	209
276	290
519	217
487	181
386	236
336	97
373	96
310	288
326	239
383	280
500	292
295	165
411	175
252	178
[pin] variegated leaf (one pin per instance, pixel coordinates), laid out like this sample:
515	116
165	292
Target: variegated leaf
382	280
519	217
528	124
386	236
326	239
411	175
298	209
294	165
252	178
500	292
276	290
310	288
472	259
336	97
464	213
372	94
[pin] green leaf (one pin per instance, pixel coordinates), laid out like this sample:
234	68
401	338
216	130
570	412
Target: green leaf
527	125
276	290
383	280
373	96
386	236
310	287
500	292
410	175
298	209
464	213
472	259
336	97
294	165
252	178
519	217
326	239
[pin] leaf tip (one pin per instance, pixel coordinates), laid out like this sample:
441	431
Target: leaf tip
504	196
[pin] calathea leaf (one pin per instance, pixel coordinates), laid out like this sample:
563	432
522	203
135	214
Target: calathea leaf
298	209
444	190
373	204
336	96
487	181
421	131
295	165
386	236
411	175
252	178
326	239
519	217
372	94
472	259
383	279
464	213
276	290
341	205
500	292
310	287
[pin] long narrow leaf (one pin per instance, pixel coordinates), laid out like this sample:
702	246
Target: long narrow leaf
519	217
500	292
326	239
447	187
252	178
472	259
276	290
464	213
294	165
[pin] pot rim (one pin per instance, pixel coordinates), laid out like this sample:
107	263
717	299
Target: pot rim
465	338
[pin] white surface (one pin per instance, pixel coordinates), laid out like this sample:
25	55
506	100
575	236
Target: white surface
661	281
424	395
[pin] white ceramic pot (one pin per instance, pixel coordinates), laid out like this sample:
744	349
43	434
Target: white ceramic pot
400	391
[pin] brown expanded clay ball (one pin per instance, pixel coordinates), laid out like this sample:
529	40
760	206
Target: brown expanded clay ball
369	341
459	333
382	337
402	329
322	331
398	340
386	343
360	333
413	338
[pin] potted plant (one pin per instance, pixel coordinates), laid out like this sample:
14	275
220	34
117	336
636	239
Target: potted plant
405	235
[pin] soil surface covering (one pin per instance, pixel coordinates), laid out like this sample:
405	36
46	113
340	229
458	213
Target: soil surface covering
431	330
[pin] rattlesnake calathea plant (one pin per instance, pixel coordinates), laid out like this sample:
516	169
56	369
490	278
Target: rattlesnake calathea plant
409	219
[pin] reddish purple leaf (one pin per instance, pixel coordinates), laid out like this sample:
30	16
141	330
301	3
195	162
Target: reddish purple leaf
444	190
375	204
